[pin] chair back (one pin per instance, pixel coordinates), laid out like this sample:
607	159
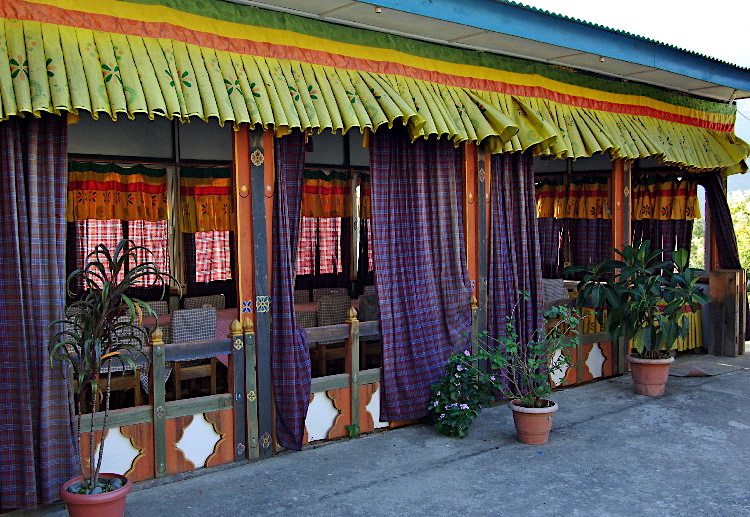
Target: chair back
194	325
369	310
306	319
369	290
216	301
160	307
302	296
333	309
554	289
329	291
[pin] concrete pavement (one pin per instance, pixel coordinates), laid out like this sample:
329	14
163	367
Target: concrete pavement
611	452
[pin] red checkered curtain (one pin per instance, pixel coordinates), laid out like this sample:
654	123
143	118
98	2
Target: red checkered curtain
515	258
421	274
319	246
212	256
290	356
152	235
37	449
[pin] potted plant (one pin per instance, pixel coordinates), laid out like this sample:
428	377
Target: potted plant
101	331
523	371
519	371
641	298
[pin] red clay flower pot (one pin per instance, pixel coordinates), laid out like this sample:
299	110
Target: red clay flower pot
532	424
109	504
650	375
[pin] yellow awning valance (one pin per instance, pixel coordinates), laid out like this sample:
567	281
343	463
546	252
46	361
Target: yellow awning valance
242	65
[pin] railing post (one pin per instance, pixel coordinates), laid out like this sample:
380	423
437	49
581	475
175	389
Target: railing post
238	388
251	390
158	395
352	361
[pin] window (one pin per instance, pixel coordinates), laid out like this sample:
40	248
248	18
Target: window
319	246
151	235
212	257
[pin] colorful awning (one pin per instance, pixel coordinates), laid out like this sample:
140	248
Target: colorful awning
205	201
108	191
285	72
665	197
579	198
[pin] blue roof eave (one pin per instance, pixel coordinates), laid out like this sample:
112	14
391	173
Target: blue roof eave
507	17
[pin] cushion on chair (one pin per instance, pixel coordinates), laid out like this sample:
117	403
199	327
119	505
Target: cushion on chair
194	325
329	291
196	302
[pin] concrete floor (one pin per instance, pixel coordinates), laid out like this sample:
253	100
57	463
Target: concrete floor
611	452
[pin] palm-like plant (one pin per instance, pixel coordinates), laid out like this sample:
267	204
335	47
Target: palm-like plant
102	327
642	297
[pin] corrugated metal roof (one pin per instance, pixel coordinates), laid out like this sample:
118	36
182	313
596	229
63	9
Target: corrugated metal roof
616	31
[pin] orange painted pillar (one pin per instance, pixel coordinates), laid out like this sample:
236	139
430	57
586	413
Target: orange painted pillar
471	214
620	196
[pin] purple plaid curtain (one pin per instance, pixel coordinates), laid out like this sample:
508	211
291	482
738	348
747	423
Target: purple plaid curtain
290	356
671	235
550	242
515	256
588	241
722	227
420	265
37	451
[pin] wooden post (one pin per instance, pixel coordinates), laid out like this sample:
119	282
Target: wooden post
352	363
726	334
159	402
620	196
251	389
237	388
261	187
482	203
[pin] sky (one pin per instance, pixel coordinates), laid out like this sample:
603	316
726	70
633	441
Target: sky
718	29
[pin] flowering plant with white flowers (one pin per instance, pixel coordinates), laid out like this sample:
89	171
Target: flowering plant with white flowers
459	395
515	370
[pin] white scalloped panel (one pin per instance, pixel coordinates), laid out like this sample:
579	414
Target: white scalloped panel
119	453
320	417
198	441
558	376
595	361
374	409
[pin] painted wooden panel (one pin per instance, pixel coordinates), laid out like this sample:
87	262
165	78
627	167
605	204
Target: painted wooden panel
176	460
224	427
128	450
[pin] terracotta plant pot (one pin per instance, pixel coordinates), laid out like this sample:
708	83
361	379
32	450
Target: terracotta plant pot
109	504
532	424
649	375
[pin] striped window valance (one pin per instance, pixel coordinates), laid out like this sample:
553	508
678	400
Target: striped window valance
205	201
578	198
326	193
109	191
238	64
664	198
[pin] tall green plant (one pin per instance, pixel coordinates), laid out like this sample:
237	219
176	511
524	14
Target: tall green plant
642	297
102	327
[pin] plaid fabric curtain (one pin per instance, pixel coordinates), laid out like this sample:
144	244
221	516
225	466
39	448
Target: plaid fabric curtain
515	257
587	241
722	227
37	451
420	264
319	246
550	241
290	356
671	234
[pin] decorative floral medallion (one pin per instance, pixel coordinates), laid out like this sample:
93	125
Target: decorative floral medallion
257	158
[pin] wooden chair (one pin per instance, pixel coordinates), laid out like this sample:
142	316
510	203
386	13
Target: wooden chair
332	310
160	307
369	310
329	291
217	301
194	325
302	296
